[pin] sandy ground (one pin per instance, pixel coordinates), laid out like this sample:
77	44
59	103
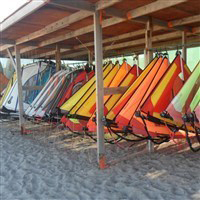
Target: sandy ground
49	165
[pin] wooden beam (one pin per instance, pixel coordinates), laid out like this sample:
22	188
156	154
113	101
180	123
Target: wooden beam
77	5
183	21
11	59
153	7
191	42
20	93
72	34
99	90
66	21
7	41
108	40
115	90
63	23
157	38
105	4
106	23
21	13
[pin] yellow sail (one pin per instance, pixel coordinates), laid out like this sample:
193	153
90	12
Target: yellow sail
84	91
8	88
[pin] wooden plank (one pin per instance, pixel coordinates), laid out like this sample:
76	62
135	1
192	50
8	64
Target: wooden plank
153	7
32	88
108	40
20	93
115	90
139	49
21	13
7	41
183	21
106	23
72	34
77	5
105	4
99	90
63	23
12	59
173	35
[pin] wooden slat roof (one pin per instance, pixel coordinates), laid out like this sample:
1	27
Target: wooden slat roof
70	24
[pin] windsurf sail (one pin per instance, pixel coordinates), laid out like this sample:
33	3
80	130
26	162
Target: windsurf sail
84	92
127	95
111	100
30	74
180	104
3	82
148	121
8	88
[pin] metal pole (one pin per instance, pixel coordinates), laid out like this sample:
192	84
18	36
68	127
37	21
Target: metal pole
20	92
184	48
148	56
99	90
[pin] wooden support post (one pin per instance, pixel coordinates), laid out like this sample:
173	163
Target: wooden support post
148	56
20	93
99	90
90	57
184	48
11	59
148	53
138	64
58	58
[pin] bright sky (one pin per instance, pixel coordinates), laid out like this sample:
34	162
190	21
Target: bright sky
9	6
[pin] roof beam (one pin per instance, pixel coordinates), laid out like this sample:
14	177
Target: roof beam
153	7
72	34
84	5
12	59
158	45
77	5
7	41
187	20
21	13
108	40
106	23
137	42
64	22
105	4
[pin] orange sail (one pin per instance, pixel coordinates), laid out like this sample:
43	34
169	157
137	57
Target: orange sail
80	113
3	82
127	95
125	115
110	100
167	87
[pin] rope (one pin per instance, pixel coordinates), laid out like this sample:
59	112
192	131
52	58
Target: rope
189	141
